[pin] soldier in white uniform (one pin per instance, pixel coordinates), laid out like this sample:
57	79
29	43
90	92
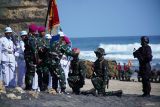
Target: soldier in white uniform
65	60
20	59
8	59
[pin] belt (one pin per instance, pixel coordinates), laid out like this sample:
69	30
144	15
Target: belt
7	52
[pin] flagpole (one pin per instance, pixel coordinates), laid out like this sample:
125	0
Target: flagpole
49	6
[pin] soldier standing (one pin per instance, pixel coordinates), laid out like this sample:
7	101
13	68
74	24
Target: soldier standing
58	49
77	73
144	55
100	73
30	53
20	59
8	59
42	70
47	57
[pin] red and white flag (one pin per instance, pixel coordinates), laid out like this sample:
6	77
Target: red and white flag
53	15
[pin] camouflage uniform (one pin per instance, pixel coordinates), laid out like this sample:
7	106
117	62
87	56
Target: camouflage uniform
55	69
100	75
30	58
42	68
76	76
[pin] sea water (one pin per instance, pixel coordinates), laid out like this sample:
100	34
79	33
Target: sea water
117	48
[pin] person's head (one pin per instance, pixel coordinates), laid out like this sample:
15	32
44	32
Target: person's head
118	63
23	34
8	32
41	31
76	51
61	37
144	40
100	52
33	29
65	40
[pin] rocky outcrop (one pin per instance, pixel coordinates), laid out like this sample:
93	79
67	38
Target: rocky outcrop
89	68
20	13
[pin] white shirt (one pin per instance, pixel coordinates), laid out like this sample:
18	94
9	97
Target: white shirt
20	49
7	50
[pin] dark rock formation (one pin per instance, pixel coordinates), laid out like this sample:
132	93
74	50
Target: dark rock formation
19	13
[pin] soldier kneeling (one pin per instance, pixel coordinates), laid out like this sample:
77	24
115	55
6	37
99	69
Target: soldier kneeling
100	76
77	73
100	73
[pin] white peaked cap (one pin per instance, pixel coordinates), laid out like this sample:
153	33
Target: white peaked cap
23	33
48	36
8	29
61	33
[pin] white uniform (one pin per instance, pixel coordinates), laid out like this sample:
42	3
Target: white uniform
65	63
8	62
35	82
0	61
20	63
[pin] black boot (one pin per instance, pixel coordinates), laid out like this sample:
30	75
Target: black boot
115	93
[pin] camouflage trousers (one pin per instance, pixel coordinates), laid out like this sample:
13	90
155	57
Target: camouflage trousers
30	72
57	74
43	76
99	84
75	82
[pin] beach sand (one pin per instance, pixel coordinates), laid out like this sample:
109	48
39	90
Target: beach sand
130	97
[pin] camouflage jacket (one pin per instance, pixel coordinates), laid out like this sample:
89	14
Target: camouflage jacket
32	43
101	69
41	47
77	68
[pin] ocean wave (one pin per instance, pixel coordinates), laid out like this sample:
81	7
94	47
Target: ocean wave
122	53
126	48
89	55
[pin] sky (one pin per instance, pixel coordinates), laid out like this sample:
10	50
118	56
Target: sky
103	18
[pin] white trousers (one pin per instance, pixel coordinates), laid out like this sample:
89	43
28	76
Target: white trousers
35	82
50	81
8	74
65	66
21	72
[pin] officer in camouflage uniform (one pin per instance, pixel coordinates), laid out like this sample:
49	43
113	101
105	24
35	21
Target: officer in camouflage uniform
57	49
42	69
77	73
30	54
100	75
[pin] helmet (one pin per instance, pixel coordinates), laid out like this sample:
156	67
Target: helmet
22	33
48	36
8	30
76	50
100	50
145	39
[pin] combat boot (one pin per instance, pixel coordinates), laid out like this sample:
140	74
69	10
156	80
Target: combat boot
63	92
88	92
114	93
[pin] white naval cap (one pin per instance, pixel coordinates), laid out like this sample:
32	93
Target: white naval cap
48	36
8	30
22	33
61	33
